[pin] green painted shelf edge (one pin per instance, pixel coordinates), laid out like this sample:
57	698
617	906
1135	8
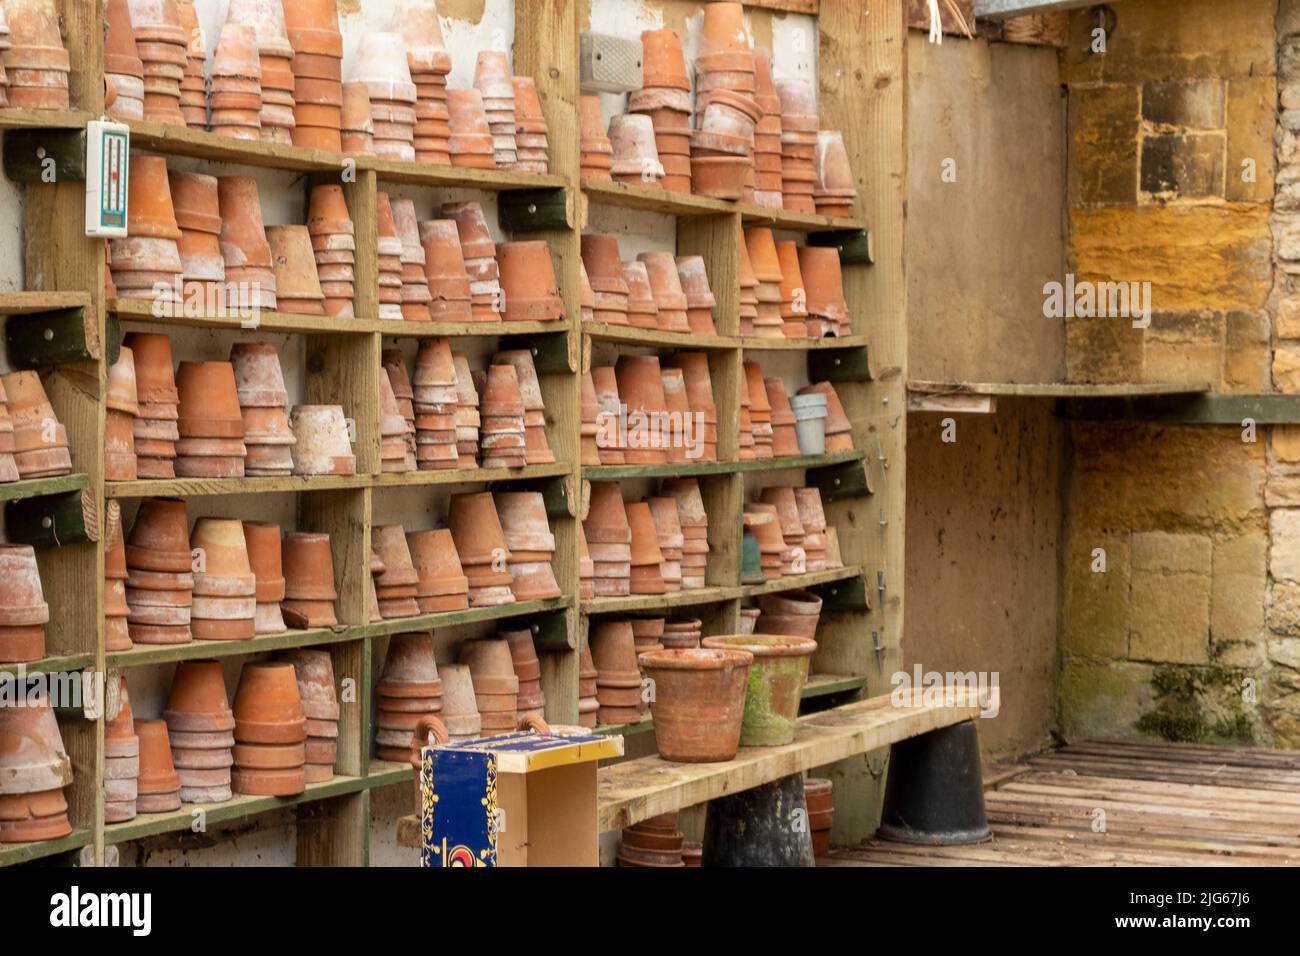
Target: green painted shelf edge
426	622
40	487
12	854
683	469
58	664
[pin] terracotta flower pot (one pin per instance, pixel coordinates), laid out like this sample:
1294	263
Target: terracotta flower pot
198	702
528	280
322	445
264	558
699	702
663	63
640	386
150	199
157	772
459	707
316	688
209	400
636	153
775	684
259	379
606	521
309	580
154	376
268	707
159	539
491	668
604	266
476	529
243	234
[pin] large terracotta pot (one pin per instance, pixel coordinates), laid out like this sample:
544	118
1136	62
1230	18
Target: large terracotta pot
698	702
774	686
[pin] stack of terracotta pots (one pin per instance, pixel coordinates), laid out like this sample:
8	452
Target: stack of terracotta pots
479	253
793	560
468	419
236	84
276	57
531	701
270	732
799	126
699	400
647	635
459	708
769	322
792	612
415	283
159	582
761	521
121	759
442	584
646	574
794	297
726	113
748	293
333	241
530	543
158	788
494	83
211	424
314	670
194	91
665	97
813	519
596	152
408	689
323	444
313	32
358	131
694	522
263	404
640	386
381	63
444	270
700	301
536	446
532	139
147	264
8	440
760	411
397	586
600	256
396	433
609	539
749	619
688	439
655	843
839	430
635	158
618	677
496	688
34	769
119	422
225	591
162	44
819	795
642	310
5	45
611	437
480	543
768	185
682	634
200	729
834	192
588	703
23	610
663	511
471	140
503	441
266	561
666	288
36	63
309	591
123	71
436	398
198	214
117	634
785	440
527	277
298	288
390	261
156	426
828	313
429	62
399	380
250	273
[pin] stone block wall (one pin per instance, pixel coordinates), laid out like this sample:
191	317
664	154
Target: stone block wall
1184	171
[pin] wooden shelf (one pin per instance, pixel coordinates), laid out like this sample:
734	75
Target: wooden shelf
686	469
139	310
655	602
26	303
799	582
457	177
12	854
12	118
828	685
145	654
216	487
474	615
656	338
754	344
469	330
469	476
55	664
200	144
1080	390
645	725
39	487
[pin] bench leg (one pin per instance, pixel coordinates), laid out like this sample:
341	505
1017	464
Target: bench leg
935	792
763	826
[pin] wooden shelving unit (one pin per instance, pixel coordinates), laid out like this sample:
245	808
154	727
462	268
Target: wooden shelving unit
861	94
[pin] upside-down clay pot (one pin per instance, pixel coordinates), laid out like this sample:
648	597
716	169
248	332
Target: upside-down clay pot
528	280
774	686
699	702
157	772
268	706
309	580
198	701
159	539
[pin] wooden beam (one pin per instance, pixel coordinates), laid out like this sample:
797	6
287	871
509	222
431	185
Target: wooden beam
1215	409
1005	9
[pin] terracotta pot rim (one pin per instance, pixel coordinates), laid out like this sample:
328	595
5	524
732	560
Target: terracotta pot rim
697	659
762	645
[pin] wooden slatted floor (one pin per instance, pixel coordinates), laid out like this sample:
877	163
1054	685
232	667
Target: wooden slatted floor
1163	805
